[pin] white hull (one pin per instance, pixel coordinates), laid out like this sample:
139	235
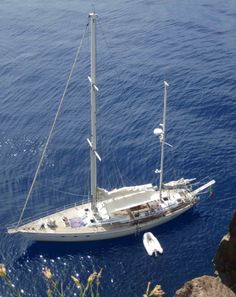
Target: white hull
101	233
120	212
151	244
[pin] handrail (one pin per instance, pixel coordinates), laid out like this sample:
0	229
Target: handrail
47	213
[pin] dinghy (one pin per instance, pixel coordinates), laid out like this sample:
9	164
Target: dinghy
151	244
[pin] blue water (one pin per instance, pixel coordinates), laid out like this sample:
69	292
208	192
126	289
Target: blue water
192	44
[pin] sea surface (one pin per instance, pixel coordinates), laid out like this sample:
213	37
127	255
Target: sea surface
192	45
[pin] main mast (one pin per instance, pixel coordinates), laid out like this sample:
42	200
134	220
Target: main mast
93	90
162	137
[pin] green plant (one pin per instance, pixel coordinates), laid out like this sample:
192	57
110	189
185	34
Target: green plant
156	291
55	289
3	274
88	289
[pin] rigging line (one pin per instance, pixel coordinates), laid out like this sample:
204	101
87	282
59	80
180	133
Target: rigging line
118	170
60	191
131	181
173	163
118	76
52	128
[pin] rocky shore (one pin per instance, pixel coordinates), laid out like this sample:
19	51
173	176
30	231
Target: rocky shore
224	284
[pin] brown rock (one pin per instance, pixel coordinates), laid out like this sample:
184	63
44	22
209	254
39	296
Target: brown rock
225	258
204	286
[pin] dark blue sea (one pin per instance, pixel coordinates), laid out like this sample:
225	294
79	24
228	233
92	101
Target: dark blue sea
192	45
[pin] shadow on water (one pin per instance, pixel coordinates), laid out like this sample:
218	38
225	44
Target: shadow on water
60	249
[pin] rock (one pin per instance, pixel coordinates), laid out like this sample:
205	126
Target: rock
204	286
225	258
225	265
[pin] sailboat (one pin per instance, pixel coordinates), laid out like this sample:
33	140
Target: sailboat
119	212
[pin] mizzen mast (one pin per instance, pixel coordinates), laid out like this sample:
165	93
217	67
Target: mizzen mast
160	132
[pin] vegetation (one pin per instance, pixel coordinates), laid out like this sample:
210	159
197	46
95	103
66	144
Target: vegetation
157	291
55	289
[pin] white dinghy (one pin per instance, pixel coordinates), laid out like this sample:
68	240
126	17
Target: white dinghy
151	244
114	213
